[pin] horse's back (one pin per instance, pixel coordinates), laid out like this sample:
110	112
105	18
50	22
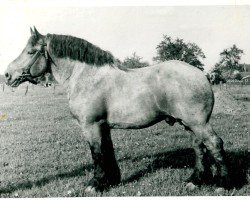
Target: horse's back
179	69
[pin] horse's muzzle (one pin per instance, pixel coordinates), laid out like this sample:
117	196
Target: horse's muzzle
14	81
8	78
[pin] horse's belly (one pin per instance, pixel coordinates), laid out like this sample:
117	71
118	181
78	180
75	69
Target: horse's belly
133	113
133	121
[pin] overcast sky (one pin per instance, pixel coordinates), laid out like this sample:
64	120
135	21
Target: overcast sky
124	30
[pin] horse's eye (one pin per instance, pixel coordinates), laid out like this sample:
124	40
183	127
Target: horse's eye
32	51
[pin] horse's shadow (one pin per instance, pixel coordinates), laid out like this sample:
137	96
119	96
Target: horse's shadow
45	180
181	158
238	163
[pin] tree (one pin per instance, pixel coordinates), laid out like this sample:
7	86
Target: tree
134	61
230	58
229	63
237	76
215	77
170	49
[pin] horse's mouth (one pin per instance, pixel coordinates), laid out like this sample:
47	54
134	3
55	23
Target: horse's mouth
16	82
21	80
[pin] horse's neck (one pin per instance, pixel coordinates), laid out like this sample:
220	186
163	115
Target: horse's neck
62	69
66	69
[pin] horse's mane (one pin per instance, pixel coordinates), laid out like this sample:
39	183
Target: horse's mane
78	49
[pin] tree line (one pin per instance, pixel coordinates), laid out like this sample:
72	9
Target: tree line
228	67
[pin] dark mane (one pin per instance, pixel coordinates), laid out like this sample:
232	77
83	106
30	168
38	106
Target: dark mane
79	49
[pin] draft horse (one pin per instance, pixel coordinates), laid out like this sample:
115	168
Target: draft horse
102	96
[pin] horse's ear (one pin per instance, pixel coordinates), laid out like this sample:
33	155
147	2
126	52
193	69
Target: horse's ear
36	32
31	31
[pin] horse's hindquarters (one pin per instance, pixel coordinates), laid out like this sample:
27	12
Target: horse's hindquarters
187	92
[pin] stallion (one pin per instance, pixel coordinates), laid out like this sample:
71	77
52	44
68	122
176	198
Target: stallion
103	96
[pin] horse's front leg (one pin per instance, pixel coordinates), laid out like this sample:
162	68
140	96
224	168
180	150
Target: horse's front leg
106	170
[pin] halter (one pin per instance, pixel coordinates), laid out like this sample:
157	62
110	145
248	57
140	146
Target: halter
41	52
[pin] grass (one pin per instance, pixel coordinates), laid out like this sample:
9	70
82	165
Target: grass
240	92
43	153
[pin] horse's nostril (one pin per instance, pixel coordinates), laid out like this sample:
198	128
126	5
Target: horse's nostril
7	76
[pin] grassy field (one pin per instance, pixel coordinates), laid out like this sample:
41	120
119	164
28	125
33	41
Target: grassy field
43	153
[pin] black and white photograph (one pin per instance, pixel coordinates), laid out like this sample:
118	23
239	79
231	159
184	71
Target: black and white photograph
124	98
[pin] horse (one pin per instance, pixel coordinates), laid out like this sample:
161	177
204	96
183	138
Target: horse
103	96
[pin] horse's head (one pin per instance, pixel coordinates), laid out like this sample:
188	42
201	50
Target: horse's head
31	64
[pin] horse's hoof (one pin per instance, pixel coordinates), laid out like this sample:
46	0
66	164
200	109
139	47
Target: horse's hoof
223	182
220	191
200	177
195	180
90	190
190	186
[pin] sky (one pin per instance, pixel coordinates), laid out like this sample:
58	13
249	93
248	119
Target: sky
123	30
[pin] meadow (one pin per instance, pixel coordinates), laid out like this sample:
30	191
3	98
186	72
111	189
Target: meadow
43	153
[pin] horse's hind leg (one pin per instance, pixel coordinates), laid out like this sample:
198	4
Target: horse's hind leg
214	145
202	173
106	170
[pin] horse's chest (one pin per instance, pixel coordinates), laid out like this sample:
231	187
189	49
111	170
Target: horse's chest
88	108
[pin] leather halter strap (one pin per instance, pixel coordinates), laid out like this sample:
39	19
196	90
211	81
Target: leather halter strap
42	51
